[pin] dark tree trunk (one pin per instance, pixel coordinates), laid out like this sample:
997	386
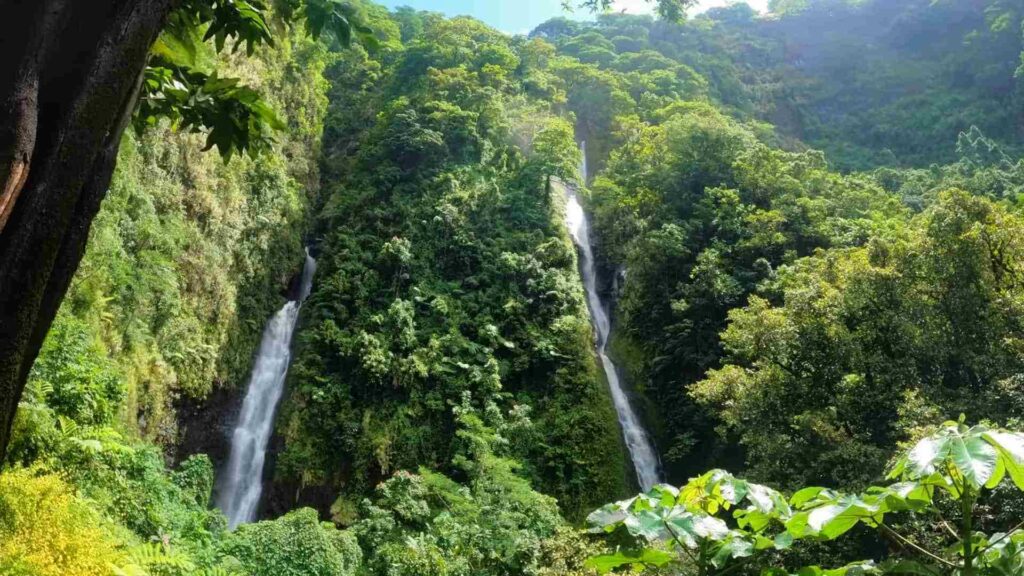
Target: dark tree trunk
70	72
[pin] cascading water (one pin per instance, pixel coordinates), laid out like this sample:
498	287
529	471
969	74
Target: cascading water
641	451
243	480
583	161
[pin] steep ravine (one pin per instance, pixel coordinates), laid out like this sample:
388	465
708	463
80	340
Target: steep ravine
242	477
641	449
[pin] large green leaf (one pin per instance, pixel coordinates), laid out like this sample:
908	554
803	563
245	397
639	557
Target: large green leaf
805	495
689	528
1011	449
607	517
830	515
924	456
648	525
605	563
902	496
956	456
667	518
735	547
179	49
719	489
973	457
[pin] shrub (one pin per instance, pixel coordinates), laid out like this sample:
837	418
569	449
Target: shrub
45	529
296	544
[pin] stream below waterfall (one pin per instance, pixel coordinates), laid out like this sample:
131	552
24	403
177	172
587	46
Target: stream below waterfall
243	476
641	450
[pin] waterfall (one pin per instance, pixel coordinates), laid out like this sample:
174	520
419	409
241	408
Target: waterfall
243	481
583	162
641	452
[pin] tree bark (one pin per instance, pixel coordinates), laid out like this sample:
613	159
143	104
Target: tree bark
70	71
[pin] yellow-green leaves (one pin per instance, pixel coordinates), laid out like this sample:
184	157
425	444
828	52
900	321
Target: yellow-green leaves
719	489
684	521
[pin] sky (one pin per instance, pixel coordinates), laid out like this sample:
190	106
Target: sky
521	16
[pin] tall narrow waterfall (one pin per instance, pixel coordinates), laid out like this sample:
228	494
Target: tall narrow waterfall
583	161
645	459
243	481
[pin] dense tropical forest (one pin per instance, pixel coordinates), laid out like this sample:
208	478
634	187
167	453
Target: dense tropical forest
382	292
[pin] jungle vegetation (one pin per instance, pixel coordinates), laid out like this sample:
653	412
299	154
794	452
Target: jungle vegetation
809	223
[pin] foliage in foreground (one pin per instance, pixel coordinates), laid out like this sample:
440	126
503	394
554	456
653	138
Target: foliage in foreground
46	531
717	523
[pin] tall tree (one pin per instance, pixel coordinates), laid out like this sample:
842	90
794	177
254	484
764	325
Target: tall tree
70	78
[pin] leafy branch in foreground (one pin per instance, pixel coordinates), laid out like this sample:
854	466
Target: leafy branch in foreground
717	524
686	525
236	117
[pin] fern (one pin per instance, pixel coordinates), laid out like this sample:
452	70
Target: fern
158	555
36	391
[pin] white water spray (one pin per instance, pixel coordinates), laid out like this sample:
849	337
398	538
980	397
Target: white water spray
641	452
243	481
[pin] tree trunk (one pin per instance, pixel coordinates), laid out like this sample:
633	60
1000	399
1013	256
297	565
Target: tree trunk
70	72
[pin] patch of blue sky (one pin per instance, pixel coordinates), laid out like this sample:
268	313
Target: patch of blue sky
521	16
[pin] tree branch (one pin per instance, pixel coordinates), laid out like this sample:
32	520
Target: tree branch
945	523
907	542
679	542
1003	537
